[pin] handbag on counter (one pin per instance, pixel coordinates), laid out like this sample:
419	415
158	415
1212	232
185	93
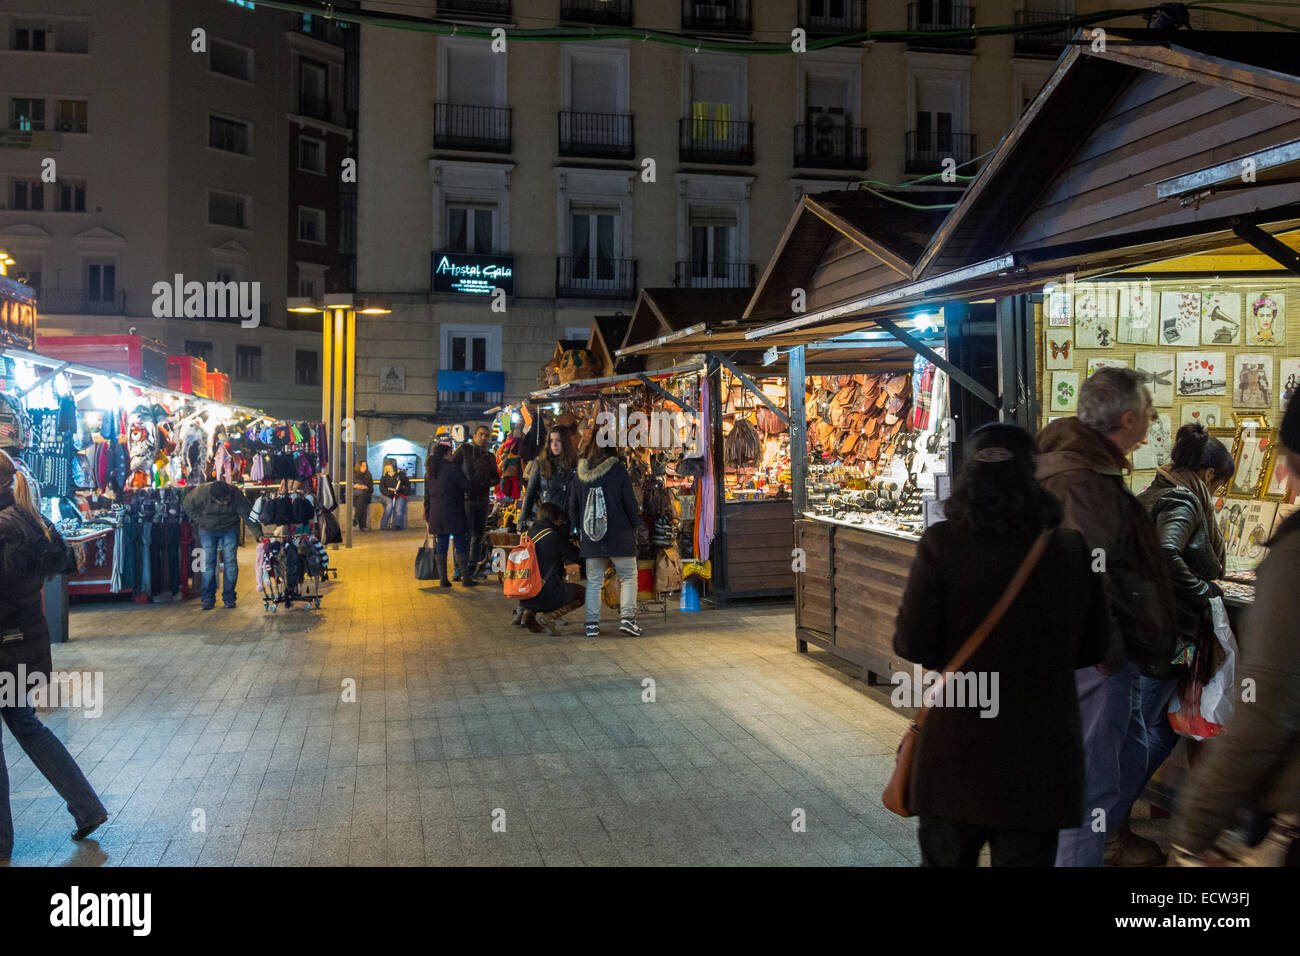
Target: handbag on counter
896	795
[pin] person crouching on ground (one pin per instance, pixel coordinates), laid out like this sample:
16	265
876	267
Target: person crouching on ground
1006	768
602	505
215	509
554	548
445	490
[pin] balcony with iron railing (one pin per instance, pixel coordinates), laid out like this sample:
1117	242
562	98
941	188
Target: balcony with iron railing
704	274
484	129
828	146
717	16
599	135
947	26
717	141
1049	41
80	302
606	12
823	17
475	9
927	150
595	277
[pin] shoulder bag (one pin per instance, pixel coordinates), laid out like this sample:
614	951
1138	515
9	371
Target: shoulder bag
895	797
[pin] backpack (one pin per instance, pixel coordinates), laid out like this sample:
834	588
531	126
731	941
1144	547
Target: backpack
523	575
595	519
668	571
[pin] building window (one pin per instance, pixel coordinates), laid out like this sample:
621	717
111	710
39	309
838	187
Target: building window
199	350
309	287
27	194
313	90
248	363
306	367
31	277
311	224
593	240
230	60
101	281
713	242
471	349
72	196
27	114
28	35
72	36
233	136
469	228
311	154
72	116
225	209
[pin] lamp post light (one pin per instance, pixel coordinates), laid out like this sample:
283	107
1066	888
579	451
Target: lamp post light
339	310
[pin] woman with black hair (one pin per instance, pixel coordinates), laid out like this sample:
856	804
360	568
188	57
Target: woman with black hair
1003	764
1181	503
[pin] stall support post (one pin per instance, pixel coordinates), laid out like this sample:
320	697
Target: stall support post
718	547
1015	318
798	430
337	421
327	367
350	433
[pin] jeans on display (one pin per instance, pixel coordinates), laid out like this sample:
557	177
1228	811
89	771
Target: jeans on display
399	514
953	843
54	762
1115	761
476	512
219	544
625	568
386	518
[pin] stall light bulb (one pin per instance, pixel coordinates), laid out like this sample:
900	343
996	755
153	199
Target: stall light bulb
104	394
24	374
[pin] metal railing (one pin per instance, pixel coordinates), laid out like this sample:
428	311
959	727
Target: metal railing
833	16
717	141
940	16
482	128
612	12
606	135
726	16
1049	42
926	150
595	277
30	139
697	274
487	9
79	302
838	147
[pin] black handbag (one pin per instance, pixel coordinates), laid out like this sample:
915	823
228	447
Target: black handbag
426	567
333	533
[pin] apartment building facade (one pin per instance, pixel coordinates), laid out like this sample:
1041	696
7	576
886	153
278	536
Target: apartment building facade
201	138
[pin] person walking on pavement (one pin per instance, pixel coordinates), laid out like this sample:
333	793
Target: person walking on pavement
602	505
363	489
1180	502
555	548
445	488
551	477
1082	462
1007	768
215	509
480	469
1255	766
32	550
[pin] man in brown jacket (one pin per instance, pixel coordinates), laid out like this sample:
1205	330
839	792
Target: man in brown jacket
1082	461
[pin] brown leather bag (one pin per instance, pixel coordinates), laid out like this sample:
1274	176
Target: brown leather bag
896	795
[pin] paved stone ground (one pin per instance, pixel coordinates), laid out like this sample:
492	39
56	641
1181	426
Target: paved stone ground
458	714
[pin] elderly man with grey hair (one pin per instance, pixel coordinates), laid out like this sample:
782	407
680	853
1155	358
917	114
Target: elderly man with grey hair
1083	461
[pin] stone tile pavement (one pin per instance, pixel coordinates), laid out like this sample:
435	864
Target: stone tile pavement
236	720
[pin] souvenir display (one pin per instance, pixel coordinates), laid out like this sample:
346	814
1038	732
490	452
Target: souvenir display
1252	381
1180	318
1159	366
1201	373
1249	525
1221	318
1265	319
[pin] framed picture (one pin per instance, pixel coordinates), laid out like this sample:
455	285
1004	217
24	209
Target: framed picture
1137	314
1277	484
1221	318
1208	415
1058	306
1095	309
1160	367
1265	319
1160	442
1288	380
1202	373
1065	391
1252	378
1180	318
1245	420
1251	454
1249	525
1058	348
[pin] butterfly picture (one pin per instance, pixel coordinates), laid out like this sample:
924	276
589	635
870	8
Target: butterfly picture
1059	351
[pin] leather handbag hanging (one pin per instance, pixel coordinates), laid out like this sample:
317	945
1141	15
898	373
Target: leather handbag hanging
896	796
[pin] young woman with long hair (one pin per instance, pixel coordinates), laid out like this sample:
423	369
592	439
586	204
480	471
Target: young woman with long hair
551	476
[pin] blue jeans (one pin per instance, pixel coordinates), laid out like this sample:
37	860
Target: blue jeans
387	516
443	541
1115	756
222	543
55	763
399	514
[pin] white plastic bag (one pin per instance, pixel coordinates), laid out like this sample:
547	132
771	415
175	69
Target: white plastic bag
1208	716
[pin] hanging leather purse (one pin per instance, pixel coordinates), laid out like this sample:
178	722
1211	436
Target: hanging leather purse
897	798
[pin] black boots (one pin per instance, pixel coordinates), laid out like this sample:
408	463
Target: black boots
466	578
440	562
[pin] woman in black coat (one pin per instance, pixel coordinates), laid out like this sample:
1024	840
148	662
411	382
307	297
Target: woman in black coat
31	550
445	488
363	490
551	476
602	505
1008	768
